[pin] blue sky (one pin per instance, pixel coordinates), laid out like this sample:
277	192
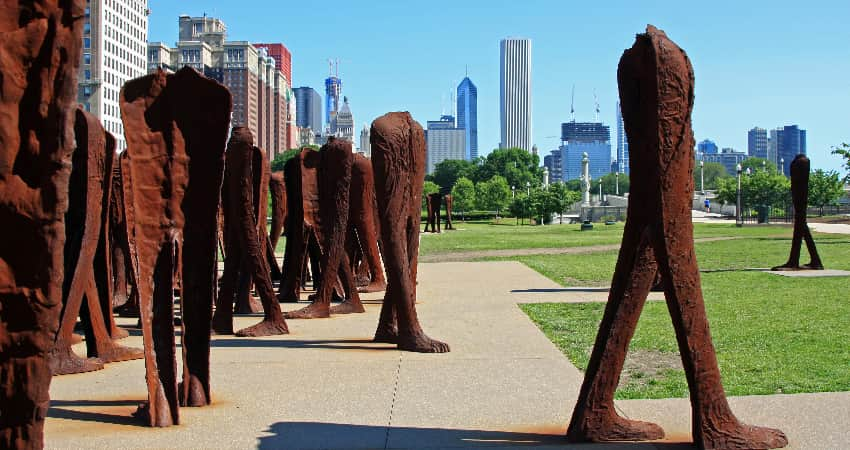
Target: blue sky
757	63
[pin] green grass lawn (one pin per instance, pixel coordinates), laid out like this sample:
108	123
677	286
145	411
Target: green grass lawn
772	334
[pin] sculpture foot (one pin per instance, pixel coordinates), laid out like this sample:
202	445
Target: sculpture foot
221	326
195	396
116	353
422	344
785	268
388	335
811	266
613	428
264	328
119	333
65	362
288	298
313	311
162	419
347	307
375	286
737	435
252	306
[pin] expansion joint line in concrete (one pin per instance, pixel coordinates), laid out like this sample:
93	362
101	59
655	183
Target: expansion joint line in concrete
392	404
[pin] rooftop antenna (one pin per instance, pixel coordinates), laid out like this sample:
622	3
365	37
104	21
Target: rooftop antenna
337	68
572	105
467	70
330	67
596	100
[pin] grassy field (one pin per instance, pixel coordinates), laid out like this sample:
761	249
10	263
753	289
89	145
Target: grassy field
772	334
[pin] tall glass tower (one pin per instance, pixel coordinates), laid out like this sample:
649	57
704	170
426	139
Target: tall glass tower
467	116
515	93
622	144
333	88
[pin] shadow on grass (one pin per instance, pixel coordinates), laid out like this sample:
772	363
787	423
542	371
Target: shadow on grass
566	289
345	344
310	435
58	411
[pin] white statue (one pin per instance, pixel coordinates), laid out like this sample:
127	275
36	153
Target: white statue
585	179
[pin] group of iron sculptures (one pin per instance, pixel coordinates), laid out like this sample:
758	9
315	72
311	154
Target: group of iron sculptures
77	218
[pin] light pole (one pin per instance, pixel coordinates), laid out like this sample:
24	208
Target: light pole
528	193
600	192
702	177
617	179
782	166
513	192
739	218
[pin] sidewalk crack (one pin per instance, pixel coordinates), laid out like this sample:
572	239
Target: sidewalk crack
392	405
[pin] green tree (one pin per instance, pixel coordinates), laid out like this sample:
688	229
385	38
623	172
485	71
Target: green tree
544	203
448	171
463	195
756	164
493	194
762	187
573	185
844	152
515	165
711	172
280	160
429	187
825	188
520	207
566	198
610	181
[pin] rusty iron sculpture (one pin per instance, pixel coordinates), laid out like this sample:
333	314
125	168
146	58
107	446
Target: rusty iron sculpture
277	189
301	221
125	296
363	244
245	238
448	200
86	225
39	58
335	160
800	168
398	158
176	127
434	203
656	91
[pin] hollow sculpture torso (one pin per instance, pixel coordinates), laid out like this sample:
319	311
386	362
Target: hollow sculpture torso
39	57
800	168
86	227
334	183
398	159
434	202
363	244
245	245
448	200
656	91
176	128
124	294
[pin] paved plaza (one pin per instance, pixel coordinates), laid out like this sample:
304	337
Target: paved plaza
326	385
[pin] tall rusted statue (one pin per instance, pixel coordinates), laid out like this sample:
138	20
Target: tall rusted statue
398	158
85	222
245	245
176	127
800	168
124	294
364	225
448	200
39	58
657	92
434	202
301	221
334	184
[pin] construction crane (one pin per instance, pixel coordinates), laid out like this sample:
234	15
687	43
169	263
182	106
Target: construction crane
572	105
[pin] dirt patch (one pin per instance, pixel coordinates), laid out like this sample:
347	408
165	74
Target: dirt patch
642	366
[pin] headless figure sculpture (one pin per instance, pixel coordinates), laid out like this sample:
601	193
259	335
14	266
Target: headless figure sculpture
800	195
656	91
434	201
449	200
398	158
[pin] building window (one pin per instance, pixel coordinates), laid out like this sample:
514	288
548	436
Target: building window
86	42
87	58
88	74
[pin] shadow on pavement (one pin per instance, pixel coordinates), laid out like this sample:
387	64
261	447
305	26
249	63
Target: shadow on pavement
337	344
315	435
101	411
567	289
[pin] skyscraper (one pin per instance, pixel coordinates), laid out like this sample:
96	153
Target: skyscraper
790	142
515	93
344	122
365	143
309	106
594	138
114	51
443	141
757	143
707	147
622	144
333	89
467	116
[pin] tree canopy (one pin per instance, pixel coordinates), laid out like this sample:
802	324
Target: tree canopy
762	187
448	171
463	195
711	172
825	188
843	151
280	160
518	167
493	194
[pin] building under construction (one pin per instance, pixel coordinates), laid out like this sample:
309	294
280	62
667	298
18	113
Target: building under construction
577	138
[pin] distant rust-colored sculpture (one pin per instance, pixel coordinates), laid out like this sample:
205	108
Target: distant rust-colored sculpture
364	223
334	184
398	158
448	200
85	222
301	221
39	58
434	202
245	245
656	92
277	189
176	126
800	168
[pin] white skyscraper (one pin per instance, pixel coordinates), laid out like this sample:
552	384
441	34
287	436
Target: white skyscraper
115	35
622	144
515	93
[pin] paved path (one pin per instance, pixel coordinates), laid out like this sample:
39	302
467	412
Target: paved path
326	385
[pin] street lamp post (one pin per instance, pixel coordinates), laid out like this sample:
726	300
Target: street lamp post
513	192
617	185
782	165
702	177
600	192
739	218
528	193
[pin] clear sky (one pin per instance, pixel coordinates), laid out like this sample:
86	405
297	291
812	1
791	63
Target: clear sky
757	63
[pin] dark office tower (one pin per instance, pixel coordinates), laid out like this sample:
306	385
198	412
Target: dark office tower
309	106
577	138
707	147
467	116
757	143
790	142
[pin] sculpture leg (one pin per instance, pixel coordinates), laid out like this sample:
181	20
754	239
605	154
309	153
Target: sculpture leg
99	343
62	359
793	262
815	263
387	323
289	290
273	322
594	417
352	303
222	321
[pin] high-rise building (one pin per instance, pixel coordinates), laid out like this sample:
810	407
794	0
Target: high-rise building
728	157
757	143
333	90
515	93
552	161
262	95
443	141
344	122
790	142
467	116
593	138
114	46
309	105
282	58
285	108
365	144
622	144
707	147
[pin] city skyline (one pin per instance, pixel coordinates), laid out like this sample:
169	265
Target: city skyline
748	72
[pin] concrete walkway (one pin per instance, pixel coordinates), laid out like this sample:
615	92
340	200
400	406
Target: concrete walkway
326	385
